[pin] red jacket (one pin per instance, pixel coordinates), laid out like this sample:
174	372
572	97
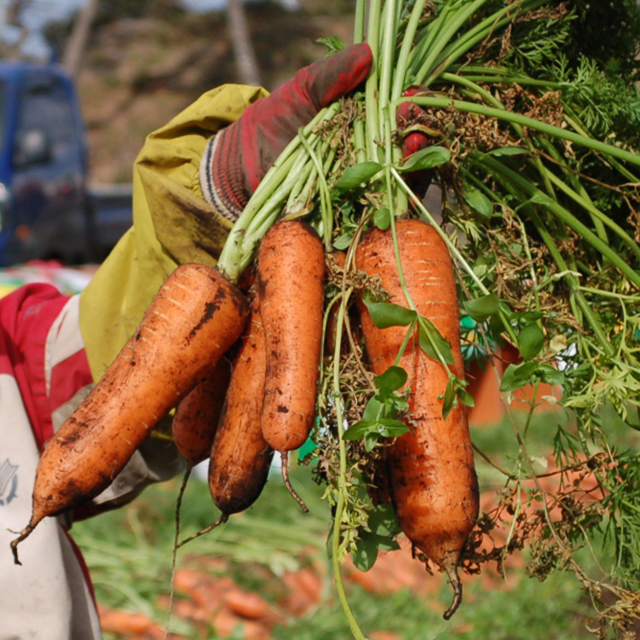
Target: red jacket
43	366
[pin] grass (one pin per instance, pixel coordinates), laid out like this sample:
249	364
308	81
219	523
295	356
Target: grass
129	554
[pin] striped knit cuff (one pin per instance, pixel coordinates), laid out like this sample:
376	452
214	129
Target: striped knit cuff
221	185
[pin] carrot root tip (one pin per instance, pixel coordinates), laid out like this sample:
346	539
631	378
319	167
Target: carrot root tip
456	585
287	482
221	520
23	535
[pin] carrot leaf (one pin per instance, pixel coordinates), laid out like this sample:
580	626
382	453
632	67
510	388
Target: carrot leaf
334	44
530	341
382	218
380	415
455	394
482	308
550	375
393	379
365	554
433	343
506	151
378	534
356	175
387	314
478	201
426	159
372	430
517	376
449	398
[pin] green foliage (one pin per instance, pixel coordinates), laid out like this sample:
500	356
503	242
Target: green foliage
608	31
536	44
533	132
607	104
129	555
333	44
381	416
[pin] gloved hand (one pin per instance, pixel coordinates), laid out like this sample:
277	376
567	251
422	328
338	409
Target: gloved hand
237	158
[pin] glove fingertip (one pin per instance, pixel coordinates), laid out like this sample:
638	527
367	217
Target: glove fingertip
341	74
413	143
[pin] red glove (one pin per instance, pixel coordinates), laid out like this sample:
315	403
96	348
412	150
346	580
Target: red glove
237	158
408	115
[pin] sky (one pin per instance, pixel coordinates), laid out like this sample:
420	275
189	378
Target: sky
40	12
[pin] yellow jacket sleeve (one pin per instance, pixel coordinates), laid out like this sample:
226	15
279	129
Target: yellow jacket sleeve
172	224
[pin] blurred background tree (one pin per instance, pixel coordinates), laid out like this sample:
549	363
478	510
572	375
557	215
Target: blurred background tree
148	59
145	60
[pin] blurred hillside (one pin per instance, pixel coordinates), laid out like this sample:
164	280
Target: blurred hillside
140	71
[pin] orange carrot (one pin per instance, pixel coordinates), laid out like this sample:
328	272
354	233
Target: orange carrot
240	456
432	481
196	419
195	317
291	288
290	282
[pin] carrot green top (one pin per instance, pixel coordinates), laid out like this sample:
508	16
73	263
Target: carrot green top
172	223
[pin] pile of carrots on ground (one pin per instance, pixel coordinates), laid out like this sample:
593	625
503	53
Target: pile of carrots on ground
265	401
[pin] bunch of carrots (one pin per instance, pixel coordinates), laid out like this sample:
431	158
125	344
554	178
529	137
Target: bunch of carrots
340	262
265	401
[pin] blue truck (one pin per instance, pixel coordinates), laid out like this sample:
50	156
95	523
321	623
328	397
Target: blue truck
47	209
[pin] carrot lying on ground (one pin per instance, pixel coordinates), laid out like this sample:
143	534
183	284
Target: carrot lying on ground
290	285
431	476
195	317
196	419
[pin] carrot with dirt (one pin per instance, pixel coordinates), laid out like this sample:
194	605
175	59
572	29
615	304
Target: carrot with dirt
195	422
430	470
290	268
193	320
240	457
196	419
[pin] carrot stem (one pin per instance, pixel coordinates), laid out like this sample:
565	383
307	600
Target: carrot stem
342	489
360	21
266	203
371	87
325	196
387	55
448	32
525	121
405	51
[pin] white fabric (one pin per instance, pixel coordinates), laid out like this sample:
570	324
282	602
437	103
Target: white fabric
46	598
64	339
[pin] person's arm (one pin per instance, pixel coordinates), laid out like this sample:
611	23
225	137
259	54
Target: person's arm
192	179
172	224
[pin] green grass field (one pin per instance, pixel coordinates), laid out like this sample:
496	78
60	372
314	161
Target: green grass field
129	553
